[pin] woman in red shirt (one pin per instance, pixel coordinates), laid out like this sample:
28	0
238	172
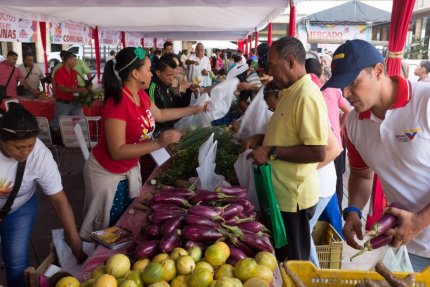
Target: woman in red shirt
112	173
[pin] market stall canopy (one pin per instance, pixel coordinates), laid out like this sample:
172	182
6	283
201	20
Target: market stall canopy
350	12
174	19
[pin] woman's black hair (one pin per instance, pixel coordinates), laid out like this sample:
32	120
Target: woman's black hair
17	124
124	63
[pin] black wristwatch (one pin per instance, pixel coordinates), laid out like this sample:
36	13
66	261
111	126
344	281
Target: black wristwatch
272	154
351	209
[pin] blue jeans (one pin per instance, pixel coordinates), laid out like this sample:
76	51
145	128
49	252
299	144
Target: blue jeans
418	262
15	233
322	203
65	109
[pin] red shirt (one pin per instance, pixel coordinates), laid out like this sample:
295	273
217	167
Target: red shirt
5	71
140	125
68	79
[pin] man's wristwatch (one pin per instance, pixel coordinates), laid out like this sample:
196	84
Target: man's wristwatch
272	154
351	209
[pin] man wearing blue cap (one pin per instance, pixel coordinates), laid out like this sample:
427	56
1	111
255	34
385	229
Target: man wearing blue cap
388	133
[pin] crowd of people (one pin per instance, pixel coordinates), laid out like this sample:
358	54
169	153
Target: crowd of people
311	127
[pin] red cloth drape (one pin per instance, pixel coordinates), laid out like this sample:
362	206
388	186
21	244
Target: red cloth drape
142	42
97	48
246	46
269	34
292	24
123	39
250	42
240	45
42	27
400	18
256	39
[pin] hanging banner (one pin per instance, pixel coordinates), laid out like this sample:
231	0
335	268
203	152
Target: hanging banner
110	38
149	43
13	29
334	32
160	43
132	39
69	33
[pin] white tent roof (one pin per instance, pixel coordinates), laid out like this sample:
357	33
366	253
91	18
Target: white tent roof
213	44
174	19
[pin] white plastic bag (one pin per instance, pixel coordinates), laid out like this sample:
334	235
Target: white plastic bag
221	99
397	260
193	121
255	119
245	174
208	179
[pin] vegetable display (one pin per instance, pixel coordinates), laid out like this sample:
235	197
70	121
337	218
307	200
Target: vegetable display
185	159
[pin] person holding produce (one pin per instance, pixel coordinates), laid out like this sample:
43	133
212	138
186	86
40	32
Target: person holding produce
24	163
112	173
391	117
294	143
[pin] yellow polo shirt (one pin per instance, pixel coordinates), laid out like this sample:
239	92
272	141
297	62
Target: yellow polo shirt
300	118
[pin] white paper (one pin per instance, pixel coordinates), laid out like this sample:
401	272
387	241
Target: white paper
160	156
65	256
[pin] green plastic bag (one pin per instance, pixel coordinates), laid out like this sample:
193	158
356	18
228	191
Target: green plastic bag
269	205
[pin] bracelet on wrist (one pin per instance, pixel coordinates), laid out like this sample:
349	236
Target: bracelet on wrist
351	209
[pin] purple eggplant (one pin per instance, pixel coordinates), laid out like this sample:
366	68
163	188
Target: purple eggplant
201	233
164	207
190	244
174	194
374	243
232	210
205	211
178	191
237	220
193	220
231	190
152	230
147	249
161	216
172	224
241	201
207	197
236	253
252	226
170	241
260	243
170	199
387	221
242	246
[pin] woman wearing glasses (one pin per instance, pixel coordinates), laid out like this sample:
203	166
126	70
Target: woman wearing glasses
112	173
21	150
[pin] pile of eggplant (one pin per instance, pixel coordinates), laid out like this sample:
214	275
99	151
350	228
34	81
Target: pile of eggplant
184	218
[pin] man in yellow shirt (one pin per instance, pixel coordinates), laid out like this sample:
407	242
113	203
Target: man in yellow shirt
294	143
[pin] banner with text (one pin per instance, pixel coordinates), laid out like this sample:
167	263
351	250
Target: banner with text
132	39
334	32
14	29
160	42
149	43
70	33
110	38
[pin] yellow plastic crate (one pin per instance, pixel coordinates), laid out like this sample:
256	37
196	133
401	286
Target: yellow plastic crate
314	277
329	245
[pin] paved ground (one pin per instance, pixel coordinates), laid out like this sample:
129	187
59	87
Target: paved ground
71	167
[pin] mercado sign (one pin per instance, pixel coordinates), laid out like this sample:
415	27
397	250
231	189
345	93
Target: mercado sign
132	39
110	38
70	33
335	32
14	29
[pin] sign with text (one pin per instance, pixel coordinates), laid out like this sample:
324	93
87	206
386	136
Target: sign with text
160	43
335	32
132	39
14	29
110	38
70	33
149	43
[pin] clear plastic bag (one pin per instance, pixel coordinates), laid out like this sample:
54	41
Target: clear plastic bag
221	99
255	119
192	122
397	259
245	174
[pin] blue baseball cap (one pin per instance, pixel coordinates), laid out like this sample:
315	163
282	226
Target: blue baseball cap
349	59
